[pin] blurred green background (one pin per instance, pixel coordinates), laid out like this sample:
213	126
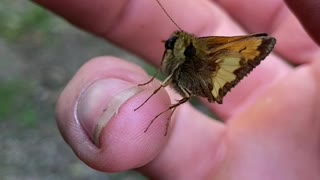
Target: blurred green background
39	53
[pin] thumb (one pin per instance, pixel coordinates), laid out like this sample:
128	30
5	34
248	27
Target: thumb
95	115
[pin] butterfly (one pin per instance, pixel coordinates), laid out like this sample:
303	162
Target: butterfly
207	66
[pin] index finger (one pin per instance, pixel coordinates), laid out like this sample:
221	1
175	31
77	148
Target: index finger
140	26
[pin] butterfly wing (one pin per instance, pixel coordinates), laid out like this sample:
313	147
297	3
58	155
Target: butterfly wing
233	58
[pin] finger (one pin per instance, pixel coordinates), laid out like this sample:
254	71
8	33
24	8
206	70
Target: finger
102	85
293	43
141	26
308	12
278	133
98	87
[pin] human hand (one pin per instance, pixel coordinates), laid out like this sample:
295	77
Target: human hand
270	131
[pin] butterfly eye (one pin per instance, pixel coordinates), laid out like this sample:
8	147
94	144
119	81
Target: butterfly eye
190	51
170	42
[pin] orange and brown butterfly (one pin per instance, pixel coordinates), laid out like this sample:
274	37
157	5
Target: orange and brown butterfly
209	66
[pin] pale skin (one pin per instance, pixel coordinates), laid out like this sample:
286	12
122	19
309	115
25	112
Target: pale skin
271	128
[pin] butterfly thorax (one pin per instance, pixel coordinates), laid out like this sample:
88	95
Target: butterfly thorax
185	61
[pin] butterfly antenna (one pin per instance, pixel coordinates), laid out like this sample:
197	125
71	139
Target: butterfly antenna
165	11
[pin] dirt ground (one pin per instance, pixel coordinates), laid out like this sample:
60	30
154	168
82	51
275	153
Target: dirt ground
39	53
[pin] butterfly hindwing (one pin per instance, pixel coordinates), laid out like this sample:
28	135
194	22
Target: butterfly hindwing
234	58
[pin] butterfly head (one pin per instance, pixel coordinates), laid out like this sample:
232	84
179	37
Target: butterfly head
178	48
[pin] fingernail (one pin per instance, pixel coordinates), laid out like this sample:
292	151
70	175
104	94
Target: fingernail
100	102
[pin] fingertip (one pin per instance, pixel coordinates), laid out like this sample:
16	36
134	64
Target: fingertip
104	94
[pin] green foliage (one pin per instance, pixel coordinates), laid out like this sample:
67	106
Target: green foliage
16	103
17	20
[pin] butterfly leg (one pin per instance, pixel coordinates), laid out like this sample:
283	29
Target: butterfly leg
164	84
154	92
173	108
152	78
